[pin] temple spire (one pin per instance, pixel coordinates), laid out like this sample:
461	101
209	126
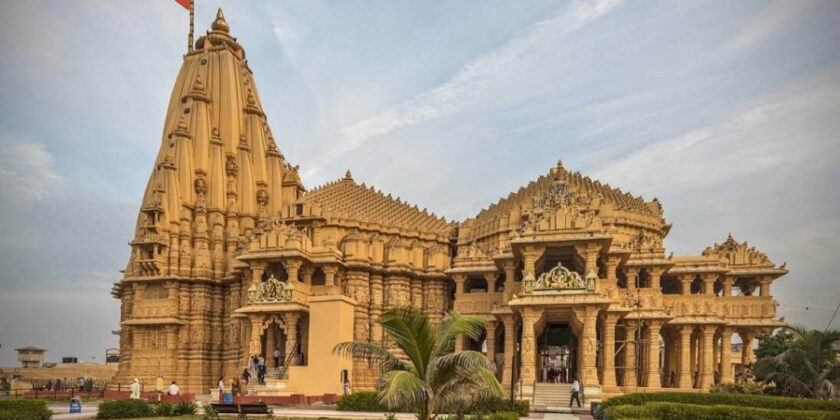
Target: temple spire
220	24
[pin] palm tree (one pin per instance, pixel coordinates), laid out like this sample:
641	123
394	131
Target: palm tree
425	375
809	368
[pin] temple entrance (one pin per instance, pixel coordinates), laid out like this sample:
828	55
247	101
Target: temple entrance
274	338
557	354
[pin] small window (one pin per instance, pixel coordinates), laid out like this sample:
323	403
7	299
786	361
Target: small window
299	209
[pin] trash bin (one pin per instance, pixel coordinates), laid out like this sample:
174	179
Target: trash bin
75	405
228	399
594	408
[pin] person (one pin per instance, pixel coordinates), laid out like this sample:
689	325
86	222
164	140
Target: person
717	377
173	388
246	376
221	390
575	392
673	381
159	387
261	375
255	363
346	387
235	386
276	357
135	389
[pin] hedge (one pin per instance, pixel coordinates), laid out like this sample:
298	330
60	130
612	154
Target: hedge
361	401
24	410
740	400
500	405
124	409
668	410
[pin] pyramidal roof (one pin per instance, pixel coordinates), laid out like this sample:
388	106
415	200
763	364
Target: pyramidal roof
217	151
349	200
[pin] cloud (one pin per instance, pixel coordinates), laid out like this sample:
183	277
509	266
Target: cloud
468	81
769	21
26	170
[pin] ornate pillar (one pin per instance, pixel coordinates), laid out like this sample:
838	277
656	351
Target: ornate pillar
685	357
630	355
709	283
270	345
589	374
416	293
292	269
256	335
510	344
728	282
765	286
307	272
632	276
612	267
608	350
459	344
510	271
655	276
707	376
490	278
747	354
653	377
530	318
434	291
330	278
459	279
290	319
257	270
685	283
726	355
376	305
490	332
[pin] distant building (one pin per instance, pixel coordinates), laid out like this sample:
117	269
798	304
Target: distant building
30	357
69	360
112	355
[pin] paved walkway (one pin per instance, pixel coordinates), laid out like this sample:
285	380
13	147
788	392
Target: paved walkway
89	412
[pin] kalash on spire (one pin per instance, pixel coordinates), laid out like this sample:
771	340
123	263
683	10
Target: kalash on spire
233	260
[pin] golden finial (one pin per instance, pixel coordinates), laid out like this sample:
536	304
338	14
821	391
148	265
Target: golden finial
348	176
220	24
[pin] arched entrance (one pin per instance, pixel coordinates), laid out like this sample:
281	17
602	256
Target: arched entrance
556	354
274	338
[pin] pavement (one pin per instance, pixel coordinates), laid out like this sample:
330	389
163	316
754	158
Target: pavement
60	412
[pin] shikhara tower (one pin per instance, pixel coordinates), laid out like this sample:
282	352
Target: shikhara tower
233	257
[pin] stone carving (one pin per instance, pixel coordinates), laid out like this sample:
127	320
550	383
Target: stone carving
560	278
270	291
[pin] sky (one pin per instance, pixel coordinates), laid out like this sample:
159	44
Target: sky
727	112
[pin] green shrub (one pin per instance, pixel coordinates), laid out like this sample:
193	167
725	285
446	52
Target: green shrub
24	410
164	409
722	398
124	409
504	415
742	388
499	405
209	412
667	410
360	401
184	408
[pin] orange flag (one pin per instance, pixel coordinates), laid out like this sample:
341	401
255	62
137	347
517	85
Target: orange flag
185	3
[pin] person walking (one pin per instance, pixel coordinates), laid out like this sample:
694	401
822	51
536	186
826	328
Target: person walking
575	392
135	389
346	387
246	376
276	358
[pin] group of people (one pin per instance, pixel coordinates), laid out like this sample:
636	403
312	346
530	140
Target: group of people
558	375
136	388
257	369
63	384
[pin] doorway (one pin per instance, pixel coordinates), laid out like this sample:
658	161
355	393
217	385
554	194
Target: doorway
557	354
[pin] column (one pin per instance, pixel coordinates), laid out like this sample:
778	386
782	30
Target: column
707	377
630	356
728	282
510	344
256	335
376	304
257	270
290	319
612	266
765	286
632	276
459	344
459	279
530	317
491	341
416	293
685	283
726	356
589	374
270	345
653	380
329	275
307	272
292	268
747	355
655	276
684	379
608	350
709	283
491	282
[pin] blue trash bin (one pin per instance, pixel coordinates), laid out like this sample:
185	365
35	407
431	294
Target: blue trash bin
228	399
75	405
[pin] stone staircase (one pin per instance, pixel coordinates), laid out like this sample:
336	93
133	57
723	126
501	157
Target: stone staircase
552	397
272	387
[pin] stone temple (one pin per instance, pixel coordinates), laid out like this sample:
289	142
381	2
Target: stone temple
233	256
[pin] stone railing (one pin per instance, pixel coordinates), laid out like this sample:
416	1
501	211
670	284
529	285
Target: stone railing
725	307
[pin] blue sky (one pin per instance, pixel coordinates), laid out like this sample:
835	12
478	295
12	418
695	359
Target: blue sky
725	111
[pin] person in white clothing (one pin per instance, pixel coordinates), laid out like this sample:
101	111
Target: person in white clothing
221	390
575	392
135	389
173	388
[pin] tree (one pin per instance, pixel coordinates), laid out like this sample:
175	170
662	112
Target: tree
808	368
423	373
775	344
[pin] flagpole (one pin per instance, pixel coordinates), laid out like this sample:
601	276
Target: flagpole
192	26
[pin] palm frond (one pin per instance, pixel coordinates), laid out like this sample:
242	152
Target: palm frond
412	333
400	388
372	353
454	325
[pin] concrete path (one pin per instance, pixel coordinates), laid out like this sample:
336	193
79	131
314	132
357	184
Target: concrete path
61	411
